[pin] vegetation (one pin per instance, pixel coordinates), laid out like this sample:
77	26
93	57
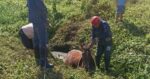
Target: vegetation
70	25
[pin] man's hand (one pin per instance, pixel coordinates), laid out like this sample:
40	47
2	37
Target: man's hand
89	46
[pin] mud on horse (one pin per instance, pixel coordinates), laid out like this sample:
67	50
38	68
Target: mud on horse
84	59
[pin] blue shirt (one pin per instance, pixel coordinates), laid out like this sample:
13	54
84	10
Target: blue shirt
121	2
102	32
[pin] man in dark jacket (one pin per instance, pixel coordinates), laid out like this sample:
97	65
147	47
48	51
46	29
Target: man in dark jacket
102	34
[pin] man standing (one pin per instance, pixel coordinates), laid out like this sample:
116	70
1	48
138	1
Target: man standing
120	10
101	31
38	16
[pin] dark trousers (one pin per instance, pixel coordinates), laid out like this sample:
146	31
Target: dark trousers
106	49
38	16
25	40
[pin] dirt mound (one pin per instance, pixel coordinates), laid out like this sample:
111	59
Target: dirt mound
69	36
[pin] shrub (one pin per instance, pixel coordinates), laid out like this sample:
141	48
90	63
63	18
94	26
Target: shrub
100	8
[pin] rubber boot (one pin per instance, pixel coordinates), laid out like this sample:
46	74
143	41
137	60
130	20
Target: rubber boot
44	64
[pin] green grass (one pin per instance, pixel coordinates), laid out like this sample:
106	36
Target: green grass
131	42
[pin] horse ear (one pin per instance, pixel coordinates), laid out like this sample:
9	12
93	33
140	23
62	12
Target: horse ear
81	47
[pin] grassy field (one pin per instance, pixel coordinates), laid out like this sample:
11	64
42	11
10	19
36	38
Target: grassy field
131	39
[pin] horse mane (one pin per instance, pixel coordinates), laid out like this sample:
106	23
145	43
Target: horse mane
87	61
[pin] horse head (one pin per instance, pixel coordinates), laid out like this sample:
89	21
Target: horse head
87	60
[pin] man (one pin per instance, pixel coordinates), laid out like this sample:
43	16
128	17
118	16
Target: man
120	9
38	16
26	34
101	31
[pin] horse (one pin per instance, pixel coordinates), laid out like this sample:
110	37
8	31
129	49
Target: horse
77	58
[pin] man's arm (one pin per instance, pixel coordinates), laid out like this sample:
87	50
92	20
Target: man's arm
92	42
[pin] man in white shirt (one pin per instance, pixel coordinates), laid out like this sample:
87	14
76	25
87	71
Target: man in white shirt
26	34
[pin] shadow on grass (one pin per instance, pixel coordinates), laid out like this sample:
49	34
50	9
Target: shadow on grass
133	29
122	69
117	72
49	74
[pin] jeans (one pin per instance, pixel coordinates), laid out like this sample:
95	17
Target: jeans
106	49
120	9
38	16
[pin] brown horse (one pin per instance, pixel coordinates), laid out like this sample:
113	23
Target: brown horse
77	58
73	58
